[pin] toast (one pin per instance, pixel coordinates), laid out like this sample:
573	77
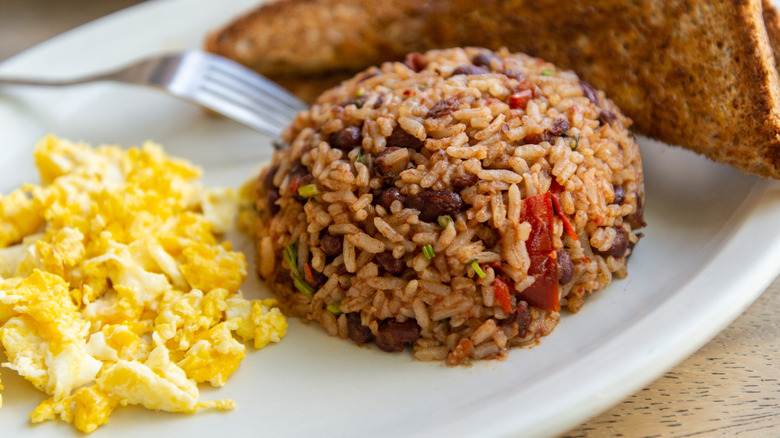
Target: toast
693	73
772	24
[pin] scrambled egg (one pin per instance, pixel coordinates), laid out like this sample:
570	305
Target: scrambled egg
113	288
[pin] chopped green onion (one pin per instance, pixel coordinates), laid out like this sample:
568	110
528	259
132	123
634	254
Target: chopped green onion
444	220
308	190
360	92
334	308
576	142
359	156
428	252
422	86
475	265
548	72
303	287
291	255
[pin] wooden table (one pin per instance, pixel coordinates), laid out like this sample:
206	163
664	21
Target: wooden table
729	387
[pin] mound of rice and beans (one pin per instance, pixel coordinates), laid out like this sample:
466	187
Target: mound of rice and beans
453	202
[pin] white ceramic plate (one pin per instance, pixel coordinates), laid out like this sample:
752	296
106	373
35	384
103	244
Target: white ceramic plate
709	251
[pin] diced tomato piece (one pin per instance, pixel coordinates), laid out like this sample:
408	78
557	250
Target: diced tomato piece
543	293
295	182
537	211
520	99
556	190
307	274
555	187
501	291
567	227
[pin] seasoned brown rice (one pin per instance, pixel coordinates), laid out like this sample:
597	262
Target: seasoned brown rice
453	202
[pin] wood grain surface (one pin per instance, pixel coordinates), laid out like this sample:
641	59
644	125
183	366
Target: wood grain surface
730	387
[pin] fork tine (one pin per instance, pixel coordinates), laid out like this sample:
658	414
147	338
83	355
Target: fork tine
255	81
207	79
264	107
242	94
239	113
254	98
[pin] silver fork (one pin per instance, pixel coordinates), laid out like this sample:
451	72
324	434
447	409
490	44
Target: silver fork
209	80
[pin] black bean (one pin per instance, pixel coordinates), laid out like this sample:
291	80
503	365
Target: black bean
443	107
367	75
619	245
466	179
468	70
268	179
402	139
358	332
271	197
346	138
389	263
607	117
416	62
434	203
537	138
489	236
306	179
559	127
359	102
393	335
297	168
331	244
620	195
483	59
514	74
637	218
390	195
379	101
565	266
390	169
589	92
318	279
521	317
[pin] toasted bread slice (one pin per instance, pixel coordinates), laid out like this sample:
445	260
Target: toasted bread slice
302	37
693	73
772	23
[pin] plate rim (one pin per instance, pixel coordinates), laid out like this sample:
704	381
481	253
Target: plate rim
764	208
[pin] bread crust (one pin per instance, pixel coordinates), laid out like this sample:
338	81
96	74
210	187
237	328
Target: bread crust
693	73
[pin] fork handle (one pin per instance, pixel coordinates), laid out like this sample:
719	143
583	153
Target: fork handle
43	82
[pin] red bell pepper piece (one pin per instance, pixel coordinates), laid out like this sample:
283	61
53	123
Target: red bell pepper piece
519	100
295	182
501	291
537	211
307	274
567	227
556	190
543	293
